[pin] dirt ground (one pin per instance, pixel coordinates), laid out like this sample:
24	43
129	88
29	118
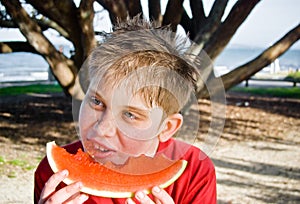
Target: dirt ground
257	157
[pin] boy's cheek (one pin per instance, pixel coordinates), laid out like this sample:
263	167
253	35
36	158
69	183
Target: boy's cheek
87	115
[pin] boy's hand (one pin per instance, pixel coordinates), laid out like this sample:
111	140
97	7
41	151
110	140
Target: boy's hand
68	194
160	197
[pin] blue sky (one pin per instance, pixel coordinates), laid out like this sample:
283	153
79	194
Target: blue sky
268	22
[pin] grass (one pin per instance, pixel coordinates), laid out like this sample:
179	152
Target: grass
290	92
16	162
7	166
35	88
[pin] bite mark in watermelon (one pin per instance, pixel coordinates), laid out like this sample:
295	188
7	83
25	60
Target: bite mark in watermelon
107	180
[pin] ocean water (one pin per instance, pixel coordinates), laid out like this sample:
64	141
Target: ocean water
234	57
20	67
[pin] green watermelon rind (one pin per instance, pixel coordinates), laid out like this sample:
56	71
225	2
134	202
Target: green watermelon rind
104	193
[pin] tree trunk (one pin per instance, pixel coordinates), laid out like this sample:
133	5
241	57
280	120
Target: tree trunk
86	17
63	69
65	14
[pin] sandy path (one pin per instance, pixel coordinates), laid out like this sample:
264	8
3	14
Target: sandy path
258	172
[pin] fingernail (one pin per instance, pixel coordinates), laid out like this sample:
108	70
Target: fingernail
140	195
83	197
156	189
129	201
79	185
65	172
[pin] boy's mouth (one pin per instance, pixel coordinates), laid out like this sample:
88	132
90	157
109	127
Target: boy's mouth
98	151
101	148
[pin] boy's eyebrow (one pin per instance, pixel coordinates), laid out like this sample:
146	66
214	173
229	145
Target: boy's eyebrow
95	93
141	111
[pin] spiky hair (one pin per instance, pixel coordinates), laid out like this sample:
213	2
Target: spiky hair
163	47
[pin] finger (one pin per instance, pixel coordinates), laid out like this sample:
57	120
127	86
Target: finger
65	193
161	196
78	198
130	201
52	183
143	198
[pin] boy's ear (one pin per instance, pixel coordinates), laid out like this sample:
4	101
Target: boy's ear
171	125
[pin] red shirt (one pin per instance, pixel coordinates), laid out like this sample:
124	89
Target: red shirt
196	185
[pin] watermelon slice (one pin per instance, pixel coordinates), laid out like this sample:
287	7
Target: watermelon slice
110	180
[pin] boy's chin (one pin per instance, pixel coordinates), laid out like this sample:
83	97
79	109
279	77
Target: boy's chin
115	160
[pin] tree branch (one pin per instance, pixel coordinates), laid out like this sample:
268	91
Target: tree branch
198	13
227	29
134	7
86	17
46	23
173	14
265	58
210	26
186	23
43	22
64	13
212	22
116	9
155	10
8	24
64	70
16	46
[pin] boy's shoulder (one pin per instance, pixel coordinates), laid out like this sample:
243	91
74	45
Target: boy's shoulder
177	149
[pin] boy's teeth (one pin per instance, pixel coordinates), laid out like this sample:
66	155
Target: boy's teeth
100	148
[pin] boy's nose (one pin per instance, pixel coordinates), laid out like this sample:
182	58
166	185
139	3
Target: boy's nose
106	126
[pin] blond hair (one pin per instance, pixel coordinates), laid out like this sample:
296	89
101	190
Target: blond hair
168	78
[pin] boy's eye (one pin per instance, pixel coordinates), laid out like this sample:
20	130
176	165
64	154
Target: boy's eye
130	115
96	102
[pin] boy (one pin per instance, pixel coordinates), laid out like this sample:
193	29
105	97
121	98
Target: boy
139	83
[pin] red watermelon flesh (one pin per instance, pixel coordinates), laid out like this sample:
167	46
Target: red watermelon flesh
109	180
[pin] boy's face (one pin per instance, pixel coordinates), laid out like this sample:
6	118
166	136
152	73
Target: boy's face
114	126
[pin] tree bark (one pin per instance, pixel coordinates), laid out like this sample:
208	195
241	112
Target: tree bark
134	7
43	23
62	68
86	17
227	29
173	14
212	22
187	25
210	25
155	10
247	70
64	13
198	17
16	46
116	8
